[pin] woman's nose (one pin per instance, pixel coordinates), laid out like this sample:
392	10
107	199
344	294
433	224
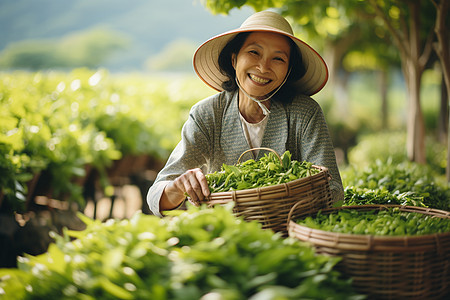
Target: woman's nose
263	65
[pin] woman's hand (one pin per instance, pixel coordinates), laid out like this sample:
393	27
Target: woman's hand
192	182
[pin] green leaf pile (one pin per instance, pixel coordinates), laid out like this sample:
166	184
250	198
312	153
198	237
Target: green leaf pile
267	171
391	221
418	181
199	254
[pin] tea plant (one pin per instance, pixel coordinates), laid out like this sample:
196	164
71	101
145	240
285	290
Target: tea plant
194	254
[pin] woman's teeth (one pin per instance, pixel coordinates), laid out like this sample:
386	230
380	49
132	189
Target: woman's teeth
259	79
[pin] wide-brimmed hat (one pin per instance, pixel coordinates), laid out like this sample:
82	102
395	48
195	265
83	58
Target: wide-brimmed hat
206	57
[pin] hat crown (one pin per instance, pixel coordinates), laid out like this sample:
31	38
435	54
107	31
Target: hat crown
267	19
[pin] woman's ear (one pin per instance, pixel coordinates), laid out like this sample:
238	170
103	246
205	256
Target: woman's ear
233	60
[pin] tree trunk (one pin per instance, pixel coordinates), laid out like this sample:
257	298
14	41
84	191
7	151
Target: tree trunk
442	49
413	68
443	114
415	126
447	172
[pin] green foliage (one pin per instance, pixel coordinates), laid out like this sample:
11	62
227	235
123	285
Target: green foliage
198	253
387	222
324	19
13	193
364	196
393	147
224	7
55	124
397	178
267	171
381	146
41	134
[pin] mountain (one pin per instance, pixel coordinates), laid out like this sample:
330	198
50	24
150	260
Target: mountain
150	25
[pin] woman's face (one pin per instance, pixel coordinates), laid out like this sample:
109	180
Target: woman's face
262	62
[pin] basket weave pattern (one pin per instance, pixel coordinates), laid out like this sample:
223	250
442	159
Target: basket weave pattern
271	205
387	267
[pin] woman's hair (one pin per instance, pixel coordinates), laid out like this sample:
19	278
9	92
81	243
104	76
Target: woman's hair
286	93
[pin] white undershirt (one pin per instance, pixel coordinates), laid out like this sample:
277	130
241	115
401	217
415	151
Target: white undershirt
254	132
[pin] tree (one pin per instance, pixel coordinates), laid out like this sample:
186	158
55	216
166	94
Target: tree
32	55
90	48
412	33
442	49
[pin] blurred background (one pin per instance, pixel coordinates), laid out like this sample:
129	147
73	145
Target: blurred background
122	36
93	95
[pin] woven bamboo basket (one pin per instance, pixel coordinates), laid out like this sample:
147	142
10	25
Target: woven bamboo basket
386	267
271	205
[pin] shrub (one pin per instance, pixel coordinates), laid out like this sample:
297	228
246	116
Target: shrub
199	254
55	124
392	145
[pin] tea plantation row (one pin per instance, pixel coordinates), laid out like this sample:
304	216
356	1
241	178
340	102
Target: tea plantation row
62	124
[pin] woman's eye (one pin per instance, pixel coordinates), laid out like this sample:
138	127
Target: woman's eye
253	52
279	59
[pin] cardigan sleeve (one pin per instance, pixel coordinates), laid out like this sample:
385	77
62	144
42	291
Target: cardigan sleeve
316	145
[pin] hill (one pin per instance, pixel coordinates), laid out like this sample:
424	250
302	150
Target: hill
150	25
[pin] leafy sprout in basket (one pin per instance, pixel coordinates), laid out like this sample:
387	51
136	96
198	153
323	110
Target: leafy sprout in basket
267	171
386	222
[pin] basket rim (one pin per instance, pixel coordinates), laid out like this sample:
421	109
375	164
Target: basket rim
370	237
281	186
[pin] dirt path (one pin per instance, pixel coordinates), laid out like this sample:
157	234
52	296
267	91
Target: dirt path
127	202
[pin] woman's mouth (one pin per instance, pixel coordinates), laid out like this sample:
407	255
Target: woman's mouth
258	79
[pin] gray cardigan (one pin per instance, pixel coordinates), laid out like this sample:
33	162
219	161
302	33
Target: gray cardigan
213	135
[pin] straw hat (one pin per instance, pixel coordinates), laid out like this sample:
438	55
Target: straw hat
206	63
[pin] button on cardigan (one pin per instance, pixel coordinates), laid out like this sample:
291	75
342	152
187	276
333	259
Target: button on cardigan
213	136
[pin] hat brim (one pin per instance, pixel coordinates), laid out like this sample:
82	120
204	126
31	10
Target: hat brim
206	63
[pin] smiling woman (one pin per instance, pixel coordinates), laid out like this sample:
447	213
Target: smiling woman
265	76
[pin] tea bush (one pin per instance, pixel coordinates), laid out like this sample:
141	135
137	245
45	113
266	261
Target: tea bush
55	124
199	254
392	145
